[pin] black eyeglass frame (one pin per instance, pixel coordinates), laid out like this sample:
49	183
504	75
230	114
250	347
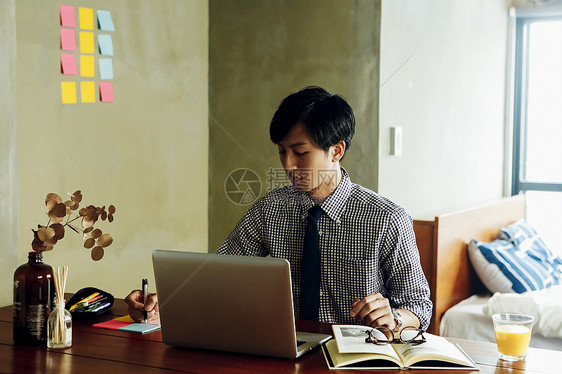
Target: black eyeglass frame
389	333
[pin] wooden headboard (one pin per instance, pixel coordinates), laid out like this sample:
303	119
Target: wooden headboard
443	241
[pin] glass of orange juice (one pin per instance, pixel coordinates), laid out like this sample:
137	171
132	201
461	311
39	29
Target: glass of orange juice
513	334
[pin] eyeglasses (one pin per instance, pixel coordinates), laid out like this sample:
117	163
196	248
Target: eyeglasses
383	335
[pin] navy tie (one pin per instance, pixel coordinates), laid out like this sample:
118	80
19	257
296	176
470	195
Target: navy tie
310	268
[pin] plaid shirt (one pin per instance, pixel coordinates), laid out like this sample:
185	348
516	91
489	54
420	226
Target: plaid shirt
367	245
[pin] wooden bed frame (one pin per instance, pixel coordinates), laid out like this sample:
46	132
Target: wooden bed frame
443	241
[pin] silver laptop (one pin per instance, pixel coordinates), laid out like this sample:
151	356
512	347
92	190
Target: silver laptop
229	303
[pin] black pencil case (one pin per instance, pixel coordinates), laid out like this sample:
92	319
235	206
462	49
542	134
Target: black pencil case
89	301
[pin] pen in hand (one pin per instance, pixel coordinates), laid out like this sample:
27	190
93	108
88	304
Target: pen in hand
144	296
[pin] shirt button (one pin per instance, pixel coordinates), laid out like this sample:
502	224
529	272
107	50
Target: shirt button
319	232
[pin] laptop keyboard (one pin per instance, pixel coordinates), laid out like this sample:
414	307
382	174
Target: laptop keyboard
300	342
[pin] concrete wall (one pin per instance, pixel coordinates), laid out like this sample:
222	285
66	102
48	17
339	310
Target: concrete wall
442	78
261	51
146	153
443	71
8	149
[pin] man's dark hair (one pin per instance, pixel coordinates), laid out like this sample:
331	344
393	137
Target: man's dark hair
328	118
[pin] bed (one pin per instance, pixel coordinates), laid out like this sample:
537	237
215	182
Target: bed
457	293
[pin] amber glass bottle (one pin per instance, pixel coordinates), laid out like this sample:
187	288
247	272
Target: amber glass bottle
34	293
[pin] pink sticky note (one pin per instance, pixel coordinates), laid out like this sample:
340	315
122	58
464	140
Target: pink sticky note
106	92
112	324
67	39
67	17
68	64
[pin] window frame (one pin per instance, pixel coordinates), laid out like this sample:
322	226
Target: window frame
519	184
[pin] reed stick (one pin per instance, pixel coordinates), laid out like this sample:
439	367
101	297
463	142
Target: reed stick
59	332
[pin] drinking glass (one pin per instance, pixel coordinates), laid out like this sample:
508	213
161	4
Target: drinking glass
513	334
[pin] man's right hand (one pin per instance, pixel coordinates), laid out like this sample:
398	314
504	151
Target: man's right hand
136	307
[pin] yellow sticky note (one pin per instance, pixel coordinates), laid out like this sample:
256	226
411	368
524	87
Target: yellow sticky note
86	17
68	90
124	319
88	91
87	68
86	42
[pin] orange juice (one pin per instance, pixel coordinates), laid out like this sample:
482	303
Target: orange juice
512	340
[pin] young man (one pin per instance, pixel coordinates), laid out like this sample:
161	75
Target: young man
357	261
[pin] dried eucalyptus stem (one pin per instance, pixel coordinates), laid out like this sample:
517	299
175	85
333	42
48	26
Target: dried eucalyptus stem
45	237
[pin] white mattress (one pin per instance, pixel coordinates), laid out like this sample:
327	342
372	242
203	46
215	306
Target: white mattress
467	320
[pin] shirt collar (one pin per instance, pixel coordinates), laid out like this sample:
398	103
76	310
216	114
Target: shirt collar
334	205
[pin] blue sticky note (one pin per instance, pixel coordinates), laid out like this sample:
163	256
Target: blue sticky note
105	44
106	68
105	22
143	328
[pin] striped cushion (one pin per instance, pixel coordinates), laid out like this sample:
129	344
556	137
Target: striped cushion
525	238
503	267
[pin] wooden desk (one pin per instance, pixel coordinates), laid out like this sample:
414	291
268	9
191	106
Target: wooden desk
106	351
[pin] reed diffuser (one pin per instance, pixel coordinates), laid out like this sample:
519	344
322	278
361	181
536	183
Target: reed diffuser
59	325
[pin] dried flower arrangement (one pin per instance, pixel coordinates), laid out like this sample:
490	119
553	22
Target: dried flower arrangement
45	237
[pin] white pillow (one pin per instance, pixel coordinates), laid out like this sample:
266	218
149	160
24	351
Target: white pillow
544	305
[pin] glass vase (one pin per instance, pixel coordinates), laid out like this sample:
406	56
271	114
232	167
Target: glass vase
59	327
34	294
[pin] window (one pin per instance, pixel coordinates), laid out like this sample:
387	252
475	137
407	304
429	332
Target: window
537	147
